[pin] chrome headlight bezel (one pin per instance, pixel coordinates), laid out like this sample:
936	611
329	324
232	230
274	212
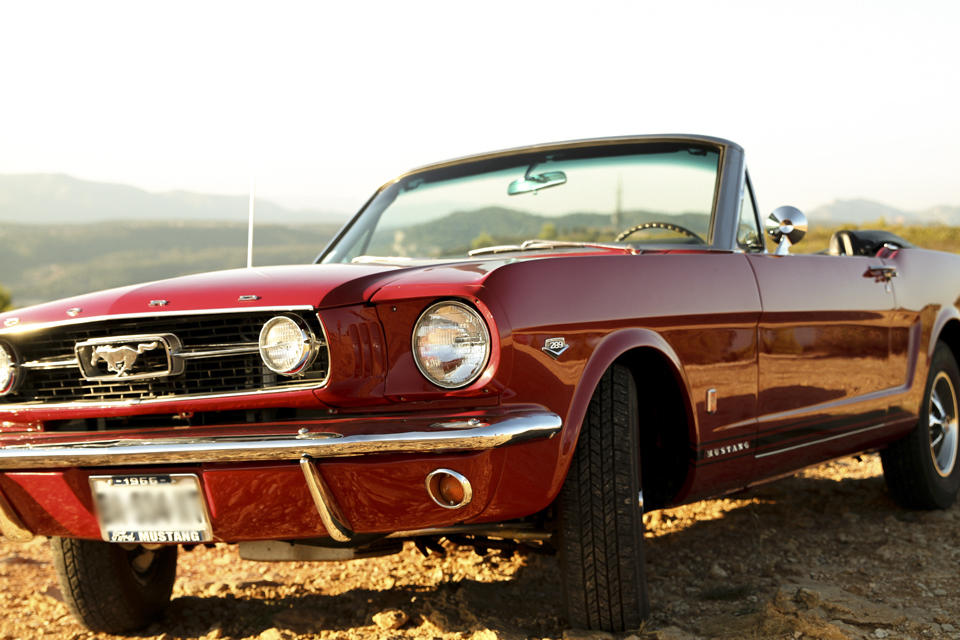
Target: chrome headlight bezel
304	343
481	332
10	371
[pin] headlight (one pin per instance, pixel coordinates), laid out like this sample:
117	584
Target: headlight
451	344
287	345
8	370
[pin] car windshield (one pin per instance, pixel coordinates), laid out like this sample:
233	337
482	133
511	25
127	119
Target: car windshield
622	195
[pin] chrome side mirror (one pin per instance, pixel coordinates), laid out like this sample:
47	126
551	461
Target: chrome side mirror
786	226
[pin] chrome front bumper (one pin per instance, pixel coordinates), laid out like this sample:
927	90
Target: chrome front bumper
411	436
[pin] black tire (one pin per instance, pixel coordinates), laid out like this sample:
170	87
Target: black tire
111	589
601	521
922	470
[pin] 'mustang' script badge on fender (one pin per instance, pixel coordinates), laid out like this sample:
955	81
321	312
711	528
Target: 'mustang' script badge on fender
726	450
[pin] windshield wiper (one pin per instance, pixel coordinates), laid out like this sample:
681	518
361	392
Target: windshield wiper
378	259
540	245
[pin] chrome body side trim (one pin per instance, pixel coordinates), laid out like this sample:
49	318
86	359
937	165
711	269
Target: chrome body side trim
334	521
820	441
502	431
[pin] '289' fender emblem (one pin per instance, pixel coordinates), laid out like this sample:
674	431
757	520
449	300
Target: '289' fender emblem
553	347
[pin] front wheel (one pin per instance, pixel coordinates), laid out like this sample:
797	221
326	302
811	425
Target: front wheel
113	588
601	520
921	470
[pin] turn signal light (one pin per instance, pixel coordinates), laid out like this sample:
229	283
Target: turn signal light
449	489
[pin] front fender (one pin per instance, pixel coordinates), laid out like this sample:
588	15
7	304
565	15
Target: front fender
610	349
535	472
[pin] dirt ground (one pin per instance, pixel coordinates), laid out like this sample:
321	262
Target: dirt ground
825	554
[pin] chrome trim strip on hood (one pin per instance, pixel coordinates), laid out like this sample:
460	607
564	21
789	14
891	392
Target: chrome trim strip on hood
495	431
23	328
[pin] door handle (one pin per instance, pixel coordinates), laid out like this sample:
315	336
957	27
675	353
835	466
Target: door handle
881	273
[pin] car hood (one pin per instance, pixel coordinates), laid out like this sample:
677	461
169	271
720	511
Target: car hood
318	286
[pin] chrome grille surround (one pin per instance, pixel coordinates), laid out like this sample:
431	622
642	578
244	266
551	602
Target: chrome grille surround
219	351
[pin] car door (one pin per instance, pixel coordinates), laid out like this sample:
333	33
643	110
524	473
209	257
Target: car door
823	357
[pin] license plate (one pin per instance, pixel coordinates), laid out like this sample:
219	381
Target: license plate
151	508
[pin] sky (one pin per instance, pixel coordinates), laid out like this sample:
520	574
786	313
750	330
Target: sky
325	101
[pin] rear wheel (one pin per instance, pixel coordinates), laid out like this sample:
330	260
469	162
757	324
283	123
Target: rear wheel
114	588
601	520
922	470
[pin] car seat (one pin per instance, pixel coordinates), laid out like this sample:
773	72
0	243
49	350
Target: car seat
864	242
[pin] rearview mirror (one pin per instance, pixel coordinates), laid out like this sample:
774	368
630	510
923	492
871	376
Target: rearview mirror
786	226
534	182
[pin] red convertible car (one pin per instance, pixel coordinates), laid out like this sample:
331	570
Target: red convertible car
531	345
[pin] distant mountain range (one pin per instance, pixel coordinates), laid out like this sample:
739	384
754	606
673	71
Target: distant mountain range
41	262
62	199
60	236
863	211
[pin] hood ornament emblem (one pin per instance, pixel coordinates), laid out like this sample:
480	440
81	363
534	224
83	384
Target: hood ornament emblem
553	347
73	313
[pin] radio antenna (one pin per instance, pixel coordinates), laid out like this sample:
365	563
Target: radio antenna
253	189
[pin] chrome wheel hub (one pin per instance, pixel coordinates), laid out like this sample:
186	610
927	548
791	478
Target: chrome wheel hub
944	428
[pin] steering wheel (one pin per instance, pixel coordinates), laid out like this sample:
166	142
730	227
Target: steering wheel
659	225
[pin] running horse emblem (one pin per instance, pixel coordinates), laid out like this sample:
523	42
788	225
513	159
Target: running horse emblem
120	359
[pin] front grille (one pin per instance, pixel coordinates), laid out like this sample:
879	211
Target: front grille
217	374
